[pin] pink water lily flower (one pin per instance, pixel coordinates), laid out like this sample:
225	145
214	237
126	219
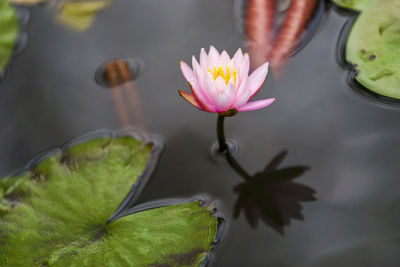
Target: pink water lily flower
223	85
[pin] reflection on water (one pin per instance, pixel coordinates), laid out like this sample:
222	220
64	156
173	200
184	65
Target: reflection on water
259	24
20	43
272	195
214	150
361	177
126	70
23	15
274	30
119	76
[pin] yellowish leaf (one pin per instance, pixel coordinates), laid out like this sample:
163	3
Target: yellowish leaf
80	15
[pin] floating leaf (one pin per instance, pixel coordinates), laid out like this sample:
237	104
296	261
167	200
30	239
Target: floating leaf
79	15
357	5
63	212
8	32
373	48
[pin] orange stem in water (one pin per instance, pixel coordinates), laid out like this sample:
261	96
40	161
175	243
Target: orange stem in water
259	25
112	75
297	18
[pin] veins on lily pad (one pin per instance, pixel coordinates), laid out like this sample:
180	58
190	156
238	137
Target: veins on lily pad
60	211
372	46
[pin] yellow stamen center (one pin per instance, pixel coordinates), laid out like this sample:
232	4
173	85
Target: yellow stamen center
219	72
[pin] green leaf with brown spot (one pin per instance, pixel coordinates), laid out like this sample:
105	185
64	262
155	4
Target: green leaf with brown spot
373	47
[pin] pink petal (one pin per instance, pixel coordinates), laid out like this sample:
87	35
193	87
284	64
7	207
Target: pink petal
242	99
197	69
187	71
241	90
244	67
198	72
238	56
230	91
210	86
256	105
257	78
232	66
189	98
200	83
200	92
203	59
222	102
224	58
232	81
213	57
200	98
220	84
213	51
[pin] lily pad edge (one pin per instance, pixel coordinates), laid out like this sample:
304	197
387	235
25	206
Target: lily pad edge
156	141
351	70
126	207
205	201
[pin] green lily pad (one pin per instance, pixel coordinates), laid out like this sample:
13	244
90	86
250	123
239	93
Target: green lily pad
8	32
357	5
373	48
62	211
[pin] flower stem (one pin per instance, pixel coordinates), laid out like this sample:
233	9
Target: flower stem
224	149
221	134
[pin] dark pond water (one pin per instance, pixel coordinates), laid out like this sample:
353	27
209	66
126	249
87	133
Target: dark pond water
350	142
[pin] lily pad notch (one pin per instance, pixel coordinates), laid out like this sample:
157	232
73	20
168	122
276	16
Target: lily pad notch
369	48
62	195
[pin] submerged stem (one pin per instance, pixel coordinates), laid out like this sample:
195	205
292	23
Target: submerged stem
223	148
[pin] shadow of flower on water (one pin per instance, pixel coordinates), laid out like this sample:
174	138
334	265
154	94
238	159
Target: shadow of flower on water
272	195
